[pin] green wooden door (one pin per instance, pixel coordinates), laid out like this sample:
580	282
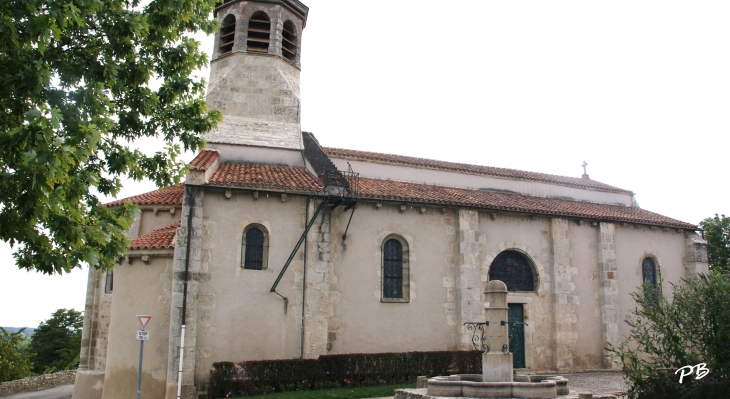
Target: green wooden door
516	320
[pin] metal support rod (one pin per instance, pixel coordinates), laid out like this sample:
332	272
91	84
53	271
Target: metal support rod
344	235
304	280
296	247
139	368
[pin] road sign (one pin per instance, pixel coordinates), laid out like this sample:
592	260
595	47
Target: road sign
143	320
143	335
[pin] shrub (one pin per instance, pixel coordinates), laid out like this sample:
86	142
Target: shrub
332	371
692	328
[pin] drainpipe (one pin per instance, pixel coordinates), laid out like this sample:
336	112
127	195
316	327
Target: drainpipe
304	277
191	204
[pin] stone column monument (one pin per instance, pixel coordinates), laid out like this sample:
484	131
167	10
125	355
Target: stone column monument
497	362
497	380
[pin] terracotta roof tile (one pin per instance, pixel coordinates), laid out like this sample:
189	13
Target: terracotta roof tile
204	160
297	179
393	190
264	176
471	169
161	238
164	196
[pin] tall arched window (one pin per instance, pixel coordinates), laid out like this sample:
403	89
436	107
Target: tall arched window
254	248
259	32
392	269
289	40
395	284
513	268
648	272
227	35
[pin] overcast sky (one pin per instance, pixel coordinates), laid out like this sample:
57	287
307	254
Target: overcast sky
639	90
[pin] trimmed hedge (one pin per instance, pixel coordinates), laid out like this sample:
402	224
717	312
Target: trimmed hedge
331	371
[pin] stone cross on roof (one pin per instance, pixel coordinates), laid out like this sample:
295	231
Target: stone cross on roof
585	174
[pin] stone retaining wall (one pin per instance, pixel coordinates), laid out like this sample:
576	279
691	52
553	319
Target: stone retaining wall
38	382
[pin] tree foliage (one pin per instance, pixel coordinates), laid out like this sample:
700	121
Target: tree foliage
666	335
57	342
15	363
717	234
79	81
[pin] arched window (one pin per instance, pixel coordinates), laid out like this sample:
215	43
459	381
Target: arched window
395	270
227	35
512	268
259	31
648	272
289	40
254	248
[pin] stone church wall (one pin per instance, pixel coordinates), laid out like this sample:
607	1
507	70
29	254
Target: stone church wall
238	318
142	289
633	244
364	323
153	218
233	316
586	298
532	238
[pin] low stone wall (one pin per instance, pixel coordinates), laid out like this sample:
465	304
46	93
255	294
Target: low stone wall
38	382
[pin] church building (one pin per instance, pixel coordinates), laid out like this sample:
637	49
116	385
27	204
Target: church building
279	247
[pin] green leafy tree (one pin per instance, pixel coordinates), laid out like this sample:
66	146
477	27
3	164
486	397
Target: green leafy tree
666	335
79	81
15	363
57	342
717	234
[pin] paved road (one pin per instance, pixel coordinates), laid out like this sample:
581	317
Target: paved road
59	392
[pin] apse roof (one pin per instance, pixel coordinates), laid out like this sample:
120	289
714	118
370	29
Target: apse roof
161	238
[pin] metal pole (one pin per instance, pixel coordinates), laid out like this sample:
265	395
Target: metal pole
191	205
180	368
139	369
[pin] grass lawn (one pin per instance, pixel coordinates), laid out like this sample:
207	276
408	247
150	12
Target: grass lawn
340	393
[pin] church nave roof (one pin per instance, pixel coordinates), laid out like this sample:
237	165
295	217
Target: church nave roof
423	163
298	180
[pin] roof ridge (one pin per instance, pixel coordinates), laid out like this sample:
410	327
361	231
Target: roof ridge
204	160
171	195
173	225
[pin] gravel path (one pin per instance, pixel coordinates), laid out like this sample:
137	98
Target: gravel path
599	382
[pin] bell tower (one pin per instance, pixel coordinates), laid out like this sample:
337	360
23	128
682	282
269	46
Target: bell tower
254	73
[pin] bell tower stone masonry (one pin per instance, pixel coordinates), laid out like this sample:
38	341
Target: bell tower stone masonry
254	78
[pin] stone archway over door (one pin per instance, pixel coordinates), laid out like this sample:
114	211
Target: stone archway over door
516	316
